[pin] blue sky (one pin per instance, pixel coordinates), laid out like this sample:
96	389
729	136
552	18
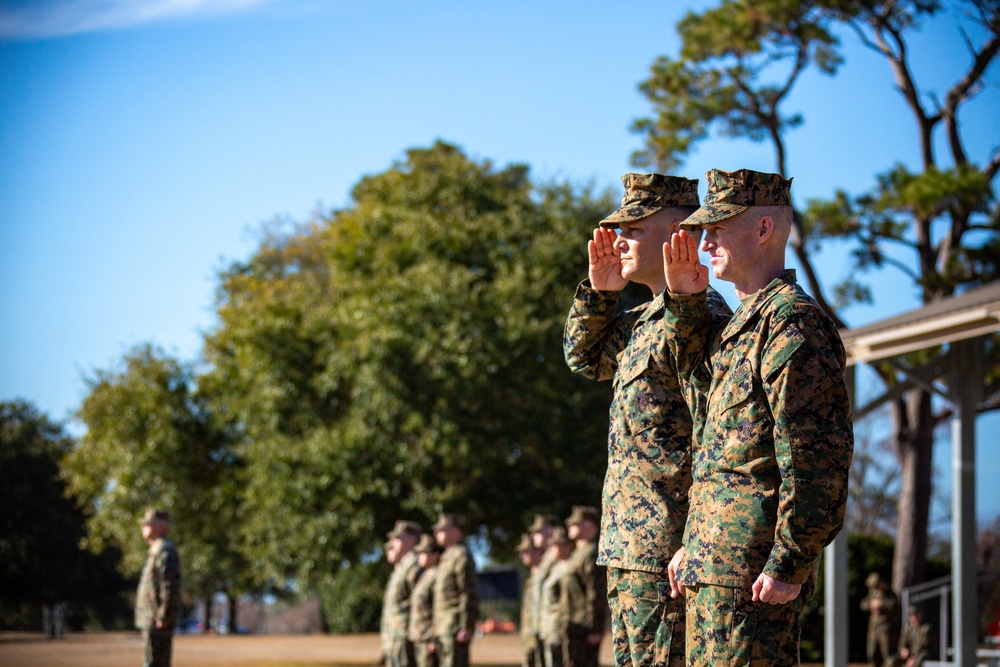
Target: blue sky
143	141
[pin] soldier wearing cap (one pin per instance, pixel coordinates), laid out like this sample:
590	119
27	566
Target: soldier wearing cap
421	629
541	529
561	590
915	642
530	557
588	614
771	462
883	630
396	647
456	597
645	496
158	599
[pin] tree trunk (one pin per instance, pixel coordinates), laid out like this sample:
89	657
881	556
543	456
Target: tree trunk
913	441
231	599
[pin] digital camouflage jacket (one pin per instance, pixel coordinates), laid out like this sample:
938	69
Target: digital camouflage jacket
456	597
396	603
645	497
159	595
770	469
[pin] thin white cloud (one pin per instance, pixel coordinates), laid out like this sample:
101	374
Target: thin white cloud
33	19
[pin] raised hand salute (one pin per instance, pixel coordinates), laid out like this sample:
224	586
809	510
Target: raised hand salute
685	272
605	269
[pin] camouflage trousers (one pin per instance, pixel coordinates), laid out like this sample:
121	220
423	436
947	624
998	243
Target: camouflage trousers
156	648
534	655
398	652
725	627
647	625
452	653
424	654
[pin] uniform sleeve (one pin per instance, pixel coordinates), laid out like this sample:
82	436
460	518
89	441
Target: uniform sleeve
593	336
802	368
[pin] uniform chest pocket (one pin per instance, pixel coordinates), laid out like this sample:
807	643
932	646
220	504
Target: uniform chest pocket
742	417
641	394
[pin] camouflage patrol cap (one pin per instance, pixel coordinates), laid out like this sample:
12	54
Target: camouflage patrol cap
872	580
154	514
732	192
543	521
525	544
583	513
450	520
645	194
427	545
559	536
404	528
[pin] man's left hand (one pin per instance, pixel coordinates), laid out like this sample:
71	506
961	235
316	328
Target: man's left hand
772	591
594	638
463	636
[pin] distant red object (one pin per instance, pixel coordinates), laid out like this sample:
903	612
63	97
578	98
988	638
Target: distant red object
493	626
993	632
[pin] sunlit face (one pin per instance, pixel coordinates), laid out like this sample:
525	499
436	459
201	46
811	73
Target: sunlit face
153	530
641	246
392	550
732	247
540	537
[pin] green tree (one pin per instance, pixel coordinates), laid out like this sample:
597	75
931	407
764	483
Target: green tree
151	441
41	562
403	356
944	216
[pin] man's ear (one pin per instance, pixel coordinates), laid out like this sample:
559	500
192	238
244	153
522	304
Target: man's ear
765	229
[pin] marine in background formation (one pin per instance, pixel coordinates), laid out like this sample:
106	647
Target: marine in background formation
397	650
158	598
456	597
421	627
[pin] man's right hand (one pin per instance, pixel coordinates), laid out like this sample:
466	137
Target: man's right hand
676	587
605	270
685	272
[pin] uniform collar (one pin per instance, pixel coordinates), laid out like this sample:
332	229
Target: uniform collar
753	304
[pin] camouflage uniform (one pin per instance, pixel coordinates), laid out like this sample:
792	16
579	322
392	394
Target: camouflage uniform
456	604
396	647
588	612
158	598
421	627
540	523
528	624
916	641
881	602
770	468
645	496
562	590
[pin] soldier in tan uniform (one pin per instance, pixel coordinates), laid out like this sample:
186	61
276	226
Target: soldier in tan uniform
456	596
396	648
158	599
883	633
528	627
560	591
541	532
771	463
915	642
589	613
645	496
421	629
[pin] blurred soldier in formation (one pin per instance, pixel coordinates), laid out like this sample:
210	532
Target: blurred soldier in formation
158	600
456	596
421	631
397	650
541	532
588	612
559	591
530	557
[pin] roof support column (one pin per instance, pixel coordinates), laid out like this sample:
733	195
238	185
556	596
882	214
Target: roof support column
966	386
